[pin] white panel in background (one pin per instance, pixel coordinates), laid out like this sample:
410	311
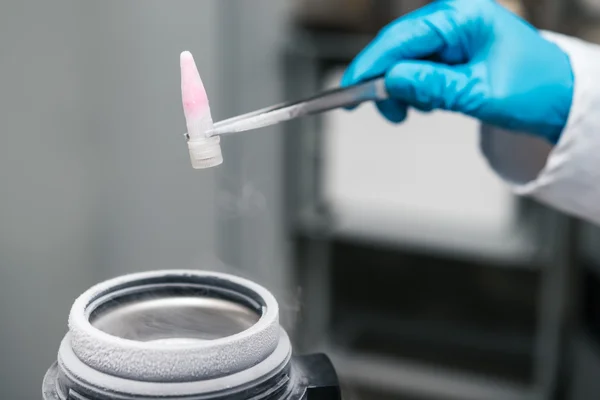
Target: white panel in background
423	181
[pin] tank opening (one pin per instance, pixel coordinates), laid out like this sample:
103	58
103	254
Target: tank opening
173	313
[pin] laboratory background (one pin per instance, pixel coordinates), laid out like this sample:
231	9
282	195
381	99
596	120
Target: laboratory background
393	249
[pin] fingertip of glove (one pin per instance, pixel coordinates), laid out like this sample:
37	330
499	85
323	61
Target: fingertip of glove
393	110
353	75
347	78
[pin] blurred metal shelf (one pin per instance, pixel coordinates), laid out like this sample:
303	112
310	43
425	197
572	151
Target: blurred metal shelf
369	225
415	379
332	48
539	238
350	330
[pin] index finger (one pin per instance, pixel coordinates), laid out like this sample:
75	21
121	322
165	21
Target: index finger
415	36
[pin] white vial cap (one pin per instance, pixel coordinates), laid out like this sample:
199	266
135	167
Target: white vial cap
205	152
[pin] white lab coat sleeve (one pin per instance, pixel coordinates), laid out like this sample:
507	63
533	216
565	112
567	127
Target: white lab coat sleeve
565	176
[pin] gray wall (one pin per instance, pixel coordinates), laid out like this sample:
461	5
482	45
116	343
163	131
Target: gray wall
157	210
95	176
47	208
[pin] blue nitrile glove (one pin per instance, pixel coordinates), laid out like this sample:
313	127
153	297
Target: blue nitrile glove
473	57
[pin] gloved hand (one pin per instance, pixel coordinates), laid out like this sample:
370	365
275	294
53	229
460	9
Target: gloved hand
473	57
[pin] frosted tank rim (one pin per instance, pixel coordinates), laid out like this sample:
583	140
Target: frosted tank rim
69	365
148	361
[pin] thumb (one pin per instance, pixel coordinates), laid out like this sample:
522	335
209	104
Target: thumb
429	86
